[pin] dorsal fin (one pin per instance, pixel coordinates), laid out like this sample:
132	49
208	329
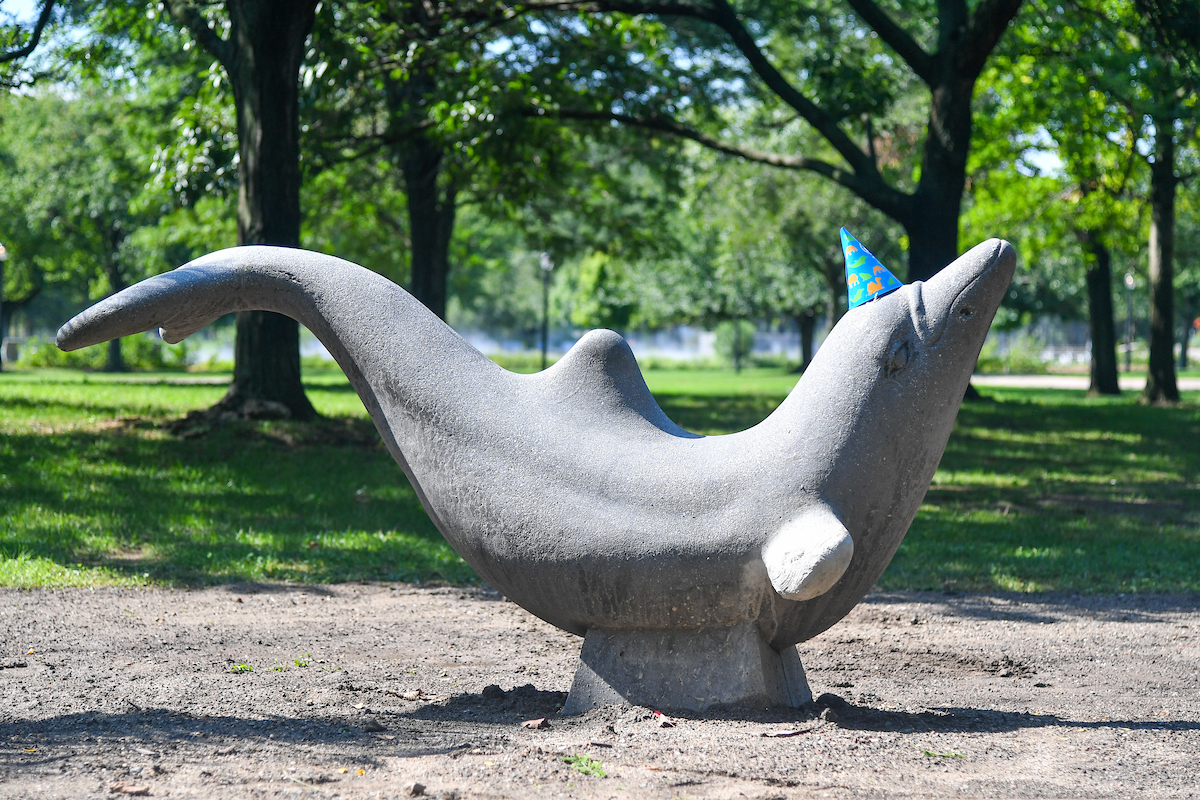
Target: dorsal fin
600	371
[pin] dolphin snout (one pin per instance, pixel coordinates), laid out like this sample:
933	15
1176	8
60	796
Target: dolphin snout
970	289
974	284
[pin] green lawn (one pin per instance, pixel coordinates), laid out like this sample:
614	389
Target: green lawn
1038	489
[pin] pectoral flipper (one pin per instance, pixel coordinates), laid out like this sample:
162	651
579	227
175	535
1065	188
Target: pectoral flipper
808	555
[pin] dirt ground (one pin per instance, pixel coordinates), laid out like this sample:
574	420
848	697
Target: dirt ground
361	691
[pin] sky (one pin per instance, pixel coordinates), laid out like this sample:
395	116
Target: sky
23	10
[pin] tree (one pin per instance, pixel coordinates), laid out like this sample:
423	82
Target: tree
1084	201
787	64
1123	59
260	45
432	97
15	45
1188	283
73	199
1119	112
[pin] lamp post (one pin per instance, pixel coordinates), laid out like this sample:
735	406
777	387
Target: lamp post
1128	321
3	258
547	270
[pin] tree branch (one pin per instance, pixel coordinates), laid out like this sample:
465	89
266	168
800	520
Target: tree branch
721	14
881	196
34	38
987	25
896	38
725	18
189	16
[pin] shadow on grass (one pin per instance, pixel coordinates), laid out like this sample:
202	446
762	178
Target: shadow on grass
1049	491
237	504
1040	490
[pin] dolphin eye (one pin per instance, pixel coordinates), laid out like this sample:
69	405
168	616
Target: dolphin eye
900	356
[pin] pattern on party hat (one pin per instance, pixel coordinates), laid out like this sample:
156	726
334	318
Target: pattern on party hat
866	278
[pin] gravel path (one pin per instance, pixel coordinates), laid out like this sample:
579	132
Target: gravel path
359	691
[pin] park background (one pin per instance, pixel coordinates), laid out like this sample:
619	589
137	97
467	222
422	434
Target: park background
676	171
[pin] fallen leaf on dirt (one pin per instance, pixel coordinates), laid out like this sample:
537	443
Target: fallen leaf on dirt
144	751
663	721
414	789
129	788
412	694
30	652
374	726
343	770
225	751
536	724
362	772
238	600
786	734
359	706
30	749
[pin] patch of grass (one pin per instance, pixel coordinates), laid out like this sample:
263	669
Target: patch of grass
92	491
1049	490
1038	490
586	765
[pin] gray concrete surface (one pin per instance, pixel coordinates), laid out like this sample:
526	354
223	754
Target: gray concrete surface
572	492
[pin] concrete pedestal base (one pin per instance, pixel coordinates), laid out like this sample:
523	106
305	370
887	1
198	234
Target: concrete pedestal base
686	670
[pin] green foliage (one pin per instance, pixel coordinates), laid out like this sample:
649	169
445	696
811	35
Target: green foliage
143	353
1070	107
1023	357
91	200
735	341
586	765
604	295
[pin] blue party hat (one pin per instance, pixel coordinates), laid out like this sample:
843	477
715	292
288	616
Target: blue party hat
866	278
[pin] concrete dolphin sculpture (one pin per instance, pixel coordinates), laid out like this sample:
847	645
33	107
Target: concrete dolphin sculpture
691	564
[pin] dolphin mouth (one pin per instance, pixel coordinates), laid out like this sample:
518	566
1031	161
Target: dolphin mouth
984	273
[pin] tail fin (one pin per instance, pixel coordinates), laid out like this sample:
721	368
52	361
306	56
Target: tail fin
383	337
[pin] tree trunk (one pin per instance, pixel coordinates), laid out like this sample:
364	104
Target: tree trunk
932	234
806	321
835	280
114	361
1100	315
431	222
1190	308
267	38
1161	386
9	307
931	213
